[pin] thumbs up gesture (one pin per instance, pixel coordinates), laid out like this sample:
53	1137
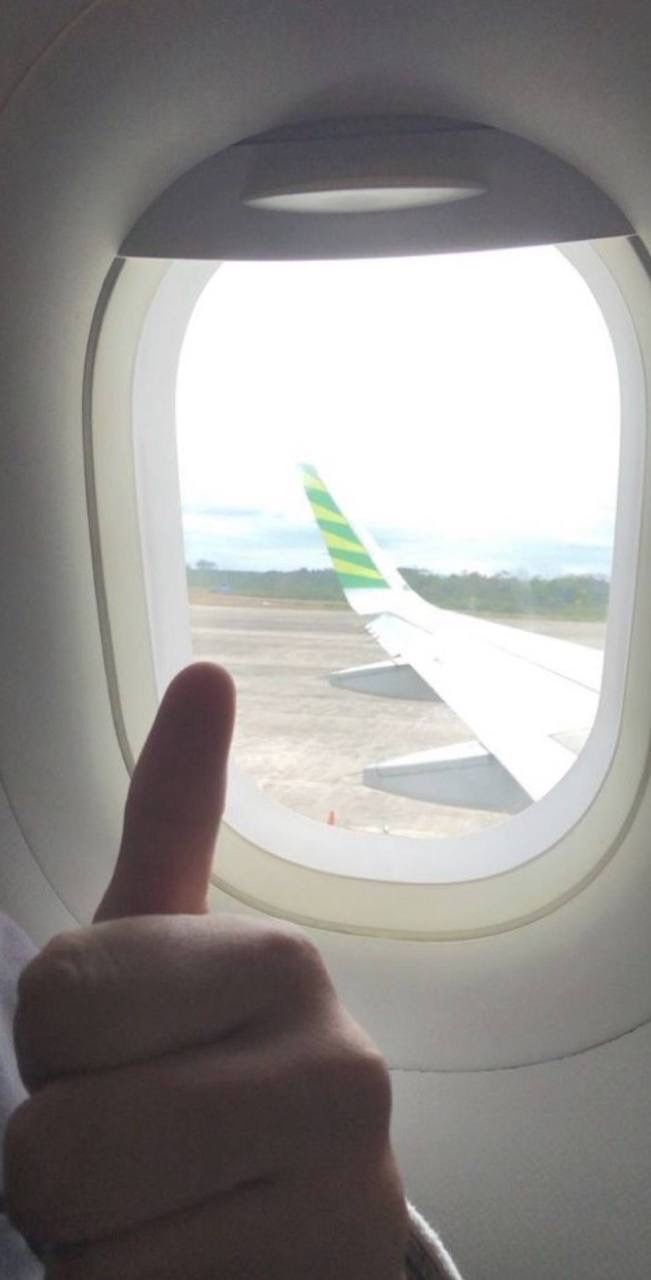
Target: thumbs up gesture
202	1107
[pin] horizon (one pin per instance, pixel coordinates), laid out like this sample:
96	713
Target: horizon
269	546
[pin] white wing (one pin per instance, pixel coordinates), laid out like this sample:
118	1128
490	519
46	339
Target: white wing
528	699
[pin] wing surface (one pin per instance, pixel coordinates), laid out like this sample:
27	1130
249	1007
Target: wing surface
477	683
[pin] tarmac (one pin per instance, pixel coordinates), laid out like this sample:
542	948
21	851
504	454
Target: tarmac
305	742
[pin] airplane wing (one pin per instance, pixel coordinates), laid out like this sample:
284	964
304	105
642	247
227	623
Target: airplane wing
529	700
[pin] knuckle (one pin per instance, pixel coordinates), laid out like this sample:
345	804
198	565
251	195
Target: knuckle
294	963
52	991
367	1079
349	1091
55	968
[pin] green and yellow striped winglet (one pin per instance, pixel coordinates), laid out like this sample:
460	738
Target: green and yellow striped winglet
350	559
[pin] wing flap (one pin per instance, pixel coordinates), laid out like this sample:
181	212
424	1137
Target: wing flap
464	776
385	680
477	683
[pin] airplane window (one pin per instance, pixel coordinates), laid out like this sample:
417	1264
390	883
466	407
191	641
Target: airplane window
398	481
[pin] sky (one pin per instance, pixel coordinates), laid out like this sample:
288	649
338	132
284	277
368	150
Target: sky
464	407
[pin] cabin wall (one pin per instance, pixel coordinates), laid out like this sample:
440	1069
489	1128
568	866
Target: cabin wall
538	1170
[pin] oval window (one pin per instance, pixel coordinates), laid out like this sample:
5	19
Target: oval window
399	485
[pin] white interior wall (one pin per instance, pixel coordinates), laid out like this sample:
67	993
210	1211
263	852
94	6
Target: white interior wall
538	1173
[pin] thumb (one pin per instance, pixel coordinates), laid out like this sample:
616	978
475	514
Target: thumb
175	800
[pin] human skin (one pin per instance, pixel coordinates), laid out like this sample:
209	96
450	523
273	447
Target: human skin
202	1106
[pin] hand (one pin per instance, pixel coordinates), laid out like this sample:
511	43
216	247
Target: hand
202	1106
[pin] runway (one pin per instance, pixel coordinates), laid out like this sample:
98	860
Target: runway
305	742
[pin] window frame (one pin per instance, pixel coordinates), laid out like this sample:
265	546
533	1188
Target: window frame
261	858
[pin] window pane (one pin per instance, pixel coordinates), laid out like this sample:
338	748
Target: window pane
460	416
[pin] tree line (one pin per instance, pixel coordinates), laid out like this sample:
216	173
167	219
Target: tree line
583	597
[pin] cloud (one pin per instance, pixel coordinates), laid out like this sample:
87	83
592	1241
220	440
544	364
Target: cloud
252	539
217	512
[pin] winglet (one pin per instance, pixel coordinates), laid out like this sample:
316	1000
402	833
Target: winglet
351	559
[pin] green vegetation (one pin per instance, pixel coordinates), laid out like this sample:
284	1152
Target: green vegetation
318	586
581	597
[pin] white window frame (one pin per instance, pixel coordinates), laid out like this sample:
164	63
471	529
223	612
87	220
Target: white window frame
268	855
